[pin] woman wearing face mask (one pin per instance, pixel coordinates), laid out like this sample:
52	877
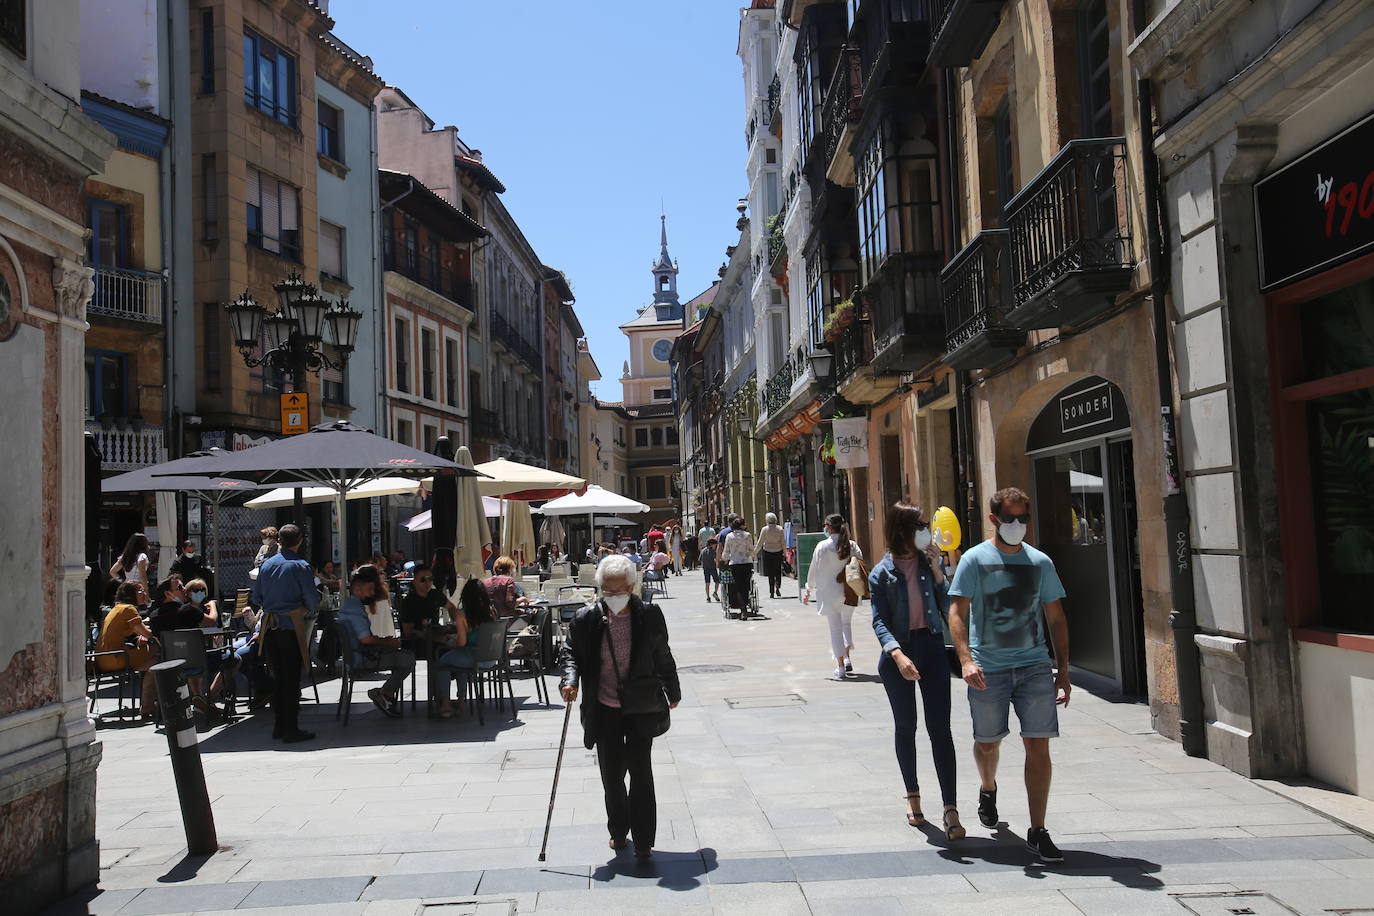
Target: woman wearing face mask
825	583
909	607
221	664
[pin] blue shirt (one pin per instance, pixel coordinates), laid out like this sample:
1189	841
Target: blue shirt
1006	592
353	615
285	582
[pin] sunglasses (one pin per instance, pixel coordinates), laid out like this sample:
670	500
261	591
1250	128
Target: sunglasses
424	579
1024	518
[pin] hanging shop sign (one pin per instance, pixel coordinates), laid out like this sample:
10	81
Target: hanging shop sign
1085	409
851	442
1317	211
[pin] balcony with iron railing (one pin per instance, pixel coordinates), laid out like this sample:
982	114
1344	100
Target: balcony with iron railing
504	333
428	273
976	289
778	389
903	298
960	30
893	37
773	110
123	292
841	111
1070	236
127	445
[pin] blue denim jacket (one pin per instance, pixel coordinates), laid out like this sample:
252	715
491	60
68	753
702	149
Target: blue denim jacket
888	586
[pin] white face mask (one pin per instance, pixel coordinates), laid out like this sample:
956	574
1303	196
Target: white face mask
617	603
923	539
1012	533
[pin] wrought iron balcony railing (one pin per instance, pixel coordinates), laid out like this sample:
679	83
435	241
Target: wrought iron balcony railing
128	448
893	37
903	300
123	292
428	273
1070	234
841	107
853	349
773	111
976	289
504	333
778	388
960	30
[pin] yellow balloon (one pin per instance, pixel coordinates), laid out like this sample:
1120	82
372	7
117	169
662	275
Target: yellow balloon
944	529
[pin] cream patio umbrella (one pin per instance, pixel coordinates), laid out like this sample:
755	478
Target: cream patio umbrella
594	500
382	486
473	530
517	530
514	480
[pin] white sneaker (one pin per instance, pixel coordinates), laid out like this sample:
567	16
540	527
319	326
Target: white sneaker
836	675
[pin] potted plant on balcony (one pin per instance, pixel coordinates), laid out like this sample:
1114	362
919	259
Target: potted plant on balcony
839	321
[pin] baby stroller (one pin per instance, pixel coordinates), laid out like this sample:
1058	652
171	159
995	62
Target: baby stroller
726	579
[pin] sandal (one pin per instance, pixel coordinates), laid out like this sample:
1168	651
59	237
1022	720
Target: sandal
955	830
915	818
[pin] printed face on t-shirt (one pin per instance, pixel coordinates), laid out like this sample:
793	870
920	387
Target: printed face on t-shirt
1011	606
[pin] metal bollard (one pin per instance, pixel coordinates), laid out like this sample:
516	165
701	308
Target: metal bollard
196	816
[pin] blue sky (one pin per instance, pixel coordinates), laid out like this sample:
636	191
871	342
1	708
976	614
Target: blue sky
589	113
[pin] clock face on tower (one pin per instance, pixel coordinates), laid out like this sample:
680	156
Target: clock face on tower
661	348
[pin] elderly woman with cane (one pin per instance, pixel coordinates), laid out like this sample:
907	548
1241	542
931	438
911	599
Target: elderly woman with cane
618	652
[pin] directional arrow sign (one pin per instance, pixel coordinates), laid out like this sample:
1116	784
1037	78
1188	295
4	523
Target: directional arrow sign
295	413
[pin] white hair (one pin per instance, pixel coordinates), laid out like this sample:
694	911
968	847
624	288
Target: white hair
617	566
771	518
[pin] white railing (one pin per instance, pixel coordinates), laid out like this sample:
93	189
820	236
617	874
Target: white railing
127	449
122	292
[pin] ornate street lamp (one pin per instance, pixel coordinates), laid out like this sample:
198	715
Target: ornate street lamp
343	326
821	361
295	332
245	318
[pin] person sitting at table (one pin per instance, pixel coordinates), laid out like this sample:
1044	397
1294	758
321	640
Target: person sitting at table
365	593
250	659
507	597
328	574
221	663
173	612
632	555
124	630
458	660
396	566
657	562
420	609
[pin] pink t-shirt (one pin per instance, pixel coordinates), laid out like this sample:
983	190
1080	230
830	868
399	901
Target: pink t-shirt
915	599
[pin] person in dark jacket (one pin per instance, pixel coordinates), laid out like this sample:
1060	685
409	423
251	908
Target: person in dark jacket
618	648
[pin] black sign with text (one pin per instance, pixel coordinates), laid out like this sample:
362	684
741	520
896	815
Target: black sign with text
1318	210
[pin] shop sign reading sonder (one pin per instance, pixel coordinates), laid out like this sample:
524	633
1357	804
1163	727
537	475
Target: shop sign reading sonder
1318	210
1082	409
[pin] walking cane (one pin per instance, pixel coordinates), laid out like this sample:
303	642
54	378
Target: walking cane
548	822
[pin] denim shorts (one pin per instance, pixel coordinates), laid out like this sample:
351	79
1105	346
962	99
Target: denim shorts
1030	689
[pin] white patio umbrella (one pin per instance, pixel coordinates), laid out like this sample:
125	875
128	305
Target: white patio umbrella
382	486
595	500
514	480
423	521
517	530
473	530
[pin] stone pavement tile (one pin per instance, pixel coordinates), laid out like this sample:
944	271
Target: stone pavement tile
1156	799
433	803
1101	821
93	902
1181	833
872	906
216	870
800	817
1021	903
482	859
1325	829
408	907
1319	898
1172	852
151	855
109	855
861	889
636	901
310	846
497	820
433	884
356	826
1243	872
318	909
1310	847
677	874
454	839
280	868
187	899
305	892
554	878
1113	901
738	832
759	869
854	866
1044	877
758	899
1245	815
1351	868
890	835
1361	844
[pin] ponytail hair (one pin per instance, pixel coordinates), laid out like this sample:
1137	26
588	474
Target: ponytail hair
836	521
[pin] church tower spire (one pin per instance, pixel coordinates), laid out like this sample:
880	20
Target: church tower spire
666	303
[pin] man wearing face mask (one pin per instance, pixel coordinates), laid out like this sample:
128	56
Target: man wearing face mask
997	596
618	651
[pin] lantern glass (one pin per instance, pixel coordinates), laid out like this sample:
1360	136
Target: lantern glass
821	361
343	326
279	330
291	289
745	423
309	313
245	318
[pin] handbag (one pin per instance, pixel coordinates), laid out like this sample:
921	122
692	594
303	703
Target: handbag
854	577
646	724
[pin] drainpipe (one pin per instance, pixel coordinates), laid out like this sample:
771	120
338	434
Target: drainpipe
1183	614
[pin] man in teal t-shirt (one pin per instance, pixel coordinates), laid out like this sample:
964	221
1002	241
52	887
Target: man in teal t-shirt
1004	594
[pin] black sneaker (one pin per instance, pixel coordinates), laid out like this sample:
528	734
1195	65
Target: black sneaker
381	701
1038	841
987	807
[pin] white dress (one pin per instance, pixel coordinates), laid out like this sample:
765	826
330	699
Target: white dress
828	594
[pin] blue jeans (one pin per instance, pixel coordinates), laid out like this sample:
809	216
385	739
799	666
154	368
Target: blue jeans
1030	689
927	652
455	664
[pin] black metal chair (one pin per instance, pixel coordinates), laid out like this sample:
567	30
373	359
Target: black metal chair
538	623
352	664
492	665
121	678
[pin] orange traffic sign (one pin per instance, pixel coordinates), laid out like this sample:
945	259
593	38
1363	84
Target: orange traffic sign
295	413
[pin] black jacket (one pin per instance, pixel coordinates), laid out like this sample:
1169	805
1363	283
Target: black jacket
652	674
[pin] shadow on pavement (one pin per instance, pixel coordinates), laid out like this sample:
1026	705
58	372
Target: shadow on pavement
1008	849
674	871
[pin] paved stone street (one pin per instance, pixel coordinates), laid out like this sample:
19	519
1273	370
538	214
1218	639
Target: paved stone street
777	794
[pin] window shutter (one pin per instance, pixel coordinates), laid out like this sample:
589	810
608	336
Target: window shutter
254	187
290	218
331	257
271	214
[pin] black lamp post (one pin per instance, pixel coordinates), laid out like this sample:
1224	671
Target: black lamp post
295	338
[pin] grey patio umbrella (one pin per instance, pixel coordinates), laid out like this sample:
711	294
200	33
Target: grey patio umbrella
186	475
338	455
